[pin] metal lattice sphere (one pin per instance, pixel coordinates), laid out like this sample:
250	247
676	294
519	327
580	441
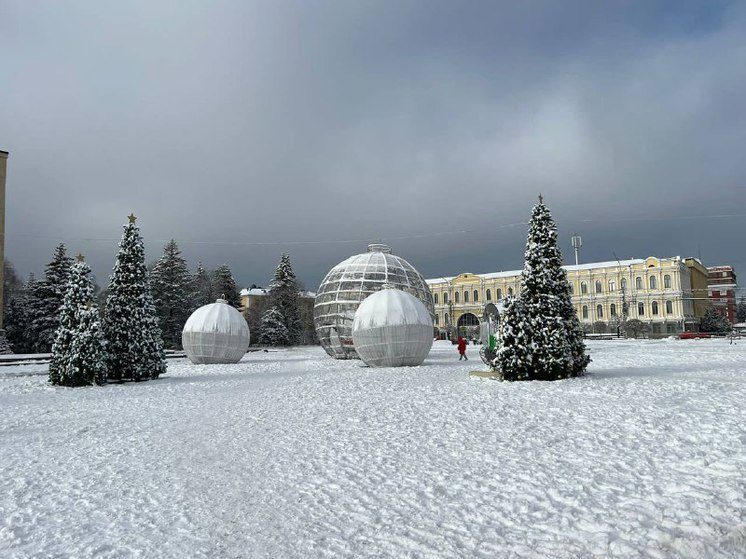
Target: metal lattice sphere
215	333
392	329
349	283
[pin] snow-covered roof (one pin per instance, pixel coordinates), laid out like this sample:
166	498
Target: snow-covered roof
569	268
256	291
260	292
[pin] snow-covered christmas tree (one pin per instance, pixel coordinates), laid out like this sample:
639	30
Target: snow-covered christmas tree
78	354
283	294
45	300
541	288
514	353
171	285
131	329
545	316
225	287
274	331
87	363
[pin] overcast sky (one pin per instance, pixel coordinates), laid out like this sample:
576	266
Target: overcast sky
439	122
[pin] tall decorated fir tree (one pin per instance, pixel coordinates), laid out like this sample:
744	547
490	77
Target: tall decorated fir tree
542	323
130	323
45	300
225	287
78	350
514	354
273	329
283	294
541	288
171	284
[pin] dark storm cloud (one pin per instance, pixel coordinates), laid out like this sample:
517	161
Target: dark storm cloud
266	121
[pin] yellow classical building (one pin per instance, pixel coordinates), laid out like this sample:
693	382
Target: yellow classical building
666	293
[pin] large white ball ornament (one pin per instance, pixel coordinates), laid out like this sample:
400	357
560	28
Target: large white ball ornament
392	328
215	333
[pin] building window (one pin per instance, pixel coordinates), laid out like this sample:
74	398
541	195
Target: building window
572	289
583	288
436	319
476	296
466	296
612	286
599	311
499	294
623	283
638	283
489	295
456	297
612	309
653	282
669	307
599	289
654	307
510	291
445	319
435	298
640	309
667	282
445	300
585	311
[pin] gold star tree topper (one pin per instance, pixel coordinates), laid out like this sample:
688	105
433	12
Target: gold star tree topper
80	258
132	217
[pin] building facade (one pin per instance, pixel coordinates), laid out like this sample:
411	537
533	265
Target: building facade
722	290
658	291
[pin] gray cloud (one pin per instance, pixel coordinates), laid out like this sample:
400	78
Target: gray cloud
271	121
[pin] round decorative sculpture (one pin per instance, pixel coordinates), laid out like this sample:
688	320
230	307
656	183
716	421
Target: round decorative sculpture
349	283
392	329
215	333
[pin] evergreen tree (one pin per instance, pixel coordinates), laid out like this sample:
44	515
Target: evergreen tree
514	354
283	294
16	321
87	362
225	287
155	356
274	332
72	364
544	288
45	301
135	349
15	306
202	293
171	287
714	322
741	310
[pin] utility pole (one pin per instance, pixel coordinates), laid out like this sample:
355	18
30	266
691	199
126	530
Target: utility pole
623	289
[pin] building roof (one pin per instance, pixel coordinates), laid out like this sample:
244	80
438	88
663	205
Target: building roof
569	268
261	292
256	291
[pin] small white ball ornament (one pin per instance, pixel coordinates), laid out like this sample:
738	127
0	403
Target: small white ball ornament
392	328
215	333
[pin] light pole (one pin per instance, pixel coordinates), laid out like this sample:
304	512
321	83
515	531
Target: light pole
577	242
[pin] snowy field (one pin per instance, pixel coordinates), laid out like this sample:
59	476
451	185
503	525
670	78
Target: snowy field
292	454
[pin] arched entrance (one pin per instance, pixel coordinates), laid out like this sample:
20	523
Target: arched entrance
468	325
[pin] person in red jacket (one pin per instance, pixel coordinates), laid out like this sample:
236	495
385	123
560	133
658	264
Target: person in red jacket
462	348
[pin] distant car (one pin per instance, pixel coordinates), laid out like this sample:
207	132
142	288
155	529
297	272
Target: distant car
693	335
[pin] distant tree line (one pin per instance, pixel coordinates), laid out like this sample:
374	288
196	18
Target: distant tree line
32	306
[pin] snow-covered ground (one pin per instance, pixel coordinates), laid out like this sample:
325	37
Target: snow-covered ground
293	454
